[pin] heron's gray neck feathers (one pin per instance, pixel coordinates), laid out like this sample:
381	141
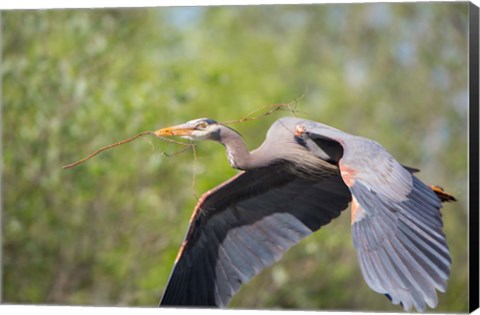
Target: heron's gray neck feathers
237	153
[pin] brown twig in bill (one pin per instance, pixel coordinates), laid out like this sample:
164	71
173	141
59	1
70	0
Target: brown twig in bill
88	157
268	110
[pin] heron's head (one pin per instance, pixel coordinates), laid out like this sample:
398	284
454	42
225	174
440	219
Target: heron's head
198	129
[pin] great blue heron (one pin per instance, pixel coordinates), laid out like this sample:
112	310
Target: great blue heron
301	177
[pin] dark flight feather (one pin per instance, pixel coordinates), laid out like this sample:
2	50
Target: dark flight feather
237	230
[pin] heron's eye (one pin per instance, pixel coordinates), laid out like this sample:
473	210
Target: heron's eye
202	125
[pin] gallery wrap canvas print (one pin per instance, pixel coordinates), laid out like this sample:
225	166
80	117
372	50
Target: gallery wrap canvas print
272	157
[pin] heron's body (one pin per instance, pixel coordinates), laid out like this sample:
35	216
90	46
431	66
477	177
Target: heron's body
302	176
280	135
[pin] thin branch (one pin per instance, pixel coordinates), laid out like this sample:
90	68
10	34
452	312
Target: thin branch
88	157
194	173
268	110
187	146
91	155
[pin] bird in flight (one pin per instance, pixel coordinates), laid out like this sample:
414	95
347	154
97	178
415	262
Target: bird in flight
304	175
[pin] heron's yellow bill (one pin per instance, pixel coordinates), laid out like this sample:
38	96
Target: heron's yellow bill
180	130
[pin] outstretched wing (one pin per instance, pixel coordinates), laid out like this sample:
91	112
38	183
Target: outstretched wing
396	221
245	225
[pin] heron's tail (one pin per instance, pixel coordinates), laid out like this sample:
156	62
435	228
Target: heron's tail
444	197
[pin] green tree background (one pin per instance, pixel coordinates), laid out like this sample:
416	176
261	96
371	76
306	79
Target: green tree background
107	232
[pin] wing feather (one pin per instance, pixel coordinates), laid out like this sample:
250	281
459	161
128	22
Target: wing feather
397	226
415	248
245	225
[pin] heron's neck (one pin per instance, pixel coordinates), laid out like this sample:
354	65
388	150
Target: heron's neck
237	153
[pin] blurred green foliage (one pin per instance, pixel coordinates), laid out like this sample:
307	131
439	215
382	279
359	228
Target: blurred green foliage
107	232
